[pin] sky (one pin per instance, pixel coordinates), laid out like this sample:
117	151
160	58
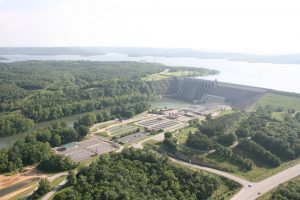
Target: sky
249	26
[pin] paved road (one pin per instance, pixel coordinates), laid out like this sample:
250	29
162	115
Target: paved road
243	182
246	193
251	193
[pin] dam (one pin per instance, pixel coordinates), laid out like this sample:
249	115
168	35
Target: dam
197	91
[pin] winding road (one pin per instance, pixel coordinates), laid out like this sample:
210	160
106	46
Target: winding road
250	190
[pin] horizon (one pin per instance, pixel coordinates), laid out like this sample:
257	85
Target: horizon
162	48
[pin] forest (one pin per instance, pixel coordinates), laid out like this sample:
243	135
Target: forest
36	91
46	90
287	191
140	174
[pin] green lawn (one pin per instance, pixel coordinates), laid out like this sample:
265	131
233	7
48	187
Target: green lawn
183	133
102	125
57	181
279	100
121	129
180	73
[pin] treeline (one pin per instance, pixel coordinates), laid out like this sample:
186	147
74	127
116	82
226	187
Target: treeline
56	163
259	152
28	153
39	111
225	153
288	191
32	152
59	133
138	174
12	124
277	146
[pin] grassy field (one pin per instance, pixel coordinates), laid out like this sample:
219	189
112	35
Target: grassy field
57	181
180	73
182	134
31	187
268	195
279	100
102	125
121	129
260	173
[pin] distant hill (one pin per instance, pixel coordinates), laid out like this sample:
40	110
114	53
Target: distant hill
161	52
49	51
2	58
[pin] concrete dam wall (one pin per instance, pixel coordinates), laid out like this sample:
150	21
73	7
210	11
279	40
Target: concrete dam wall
196	90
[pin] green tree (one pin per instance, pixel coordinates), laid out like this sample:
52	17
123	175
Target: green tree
44	187
55	140
72	180
226	139
168	134
82	130
87	120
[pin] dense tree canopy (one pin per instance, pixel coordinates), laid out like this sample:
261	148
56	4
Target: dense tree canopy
13	124
44	187
139	174
56	163
287	191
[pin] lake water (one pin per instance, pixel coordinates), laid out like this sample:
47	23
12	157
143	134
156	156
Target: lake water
284	77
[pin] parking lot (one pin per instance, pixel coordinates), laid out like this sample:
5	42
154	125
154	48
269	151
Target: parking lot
88	148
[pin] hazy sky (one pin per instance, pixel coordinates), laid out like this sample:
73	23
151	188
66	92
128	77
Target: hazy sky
259	26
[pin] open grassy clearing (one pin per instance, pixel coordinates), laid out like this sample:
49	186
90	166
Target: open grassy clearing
279	100
183	133
121	129
102	125
260	173
169	73
154	77
57	181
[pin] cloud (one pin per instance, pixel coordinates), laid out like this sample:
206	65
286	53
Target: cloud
232	25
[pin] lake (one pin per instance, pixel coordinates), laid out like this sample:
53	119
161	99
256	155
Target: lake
284	77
